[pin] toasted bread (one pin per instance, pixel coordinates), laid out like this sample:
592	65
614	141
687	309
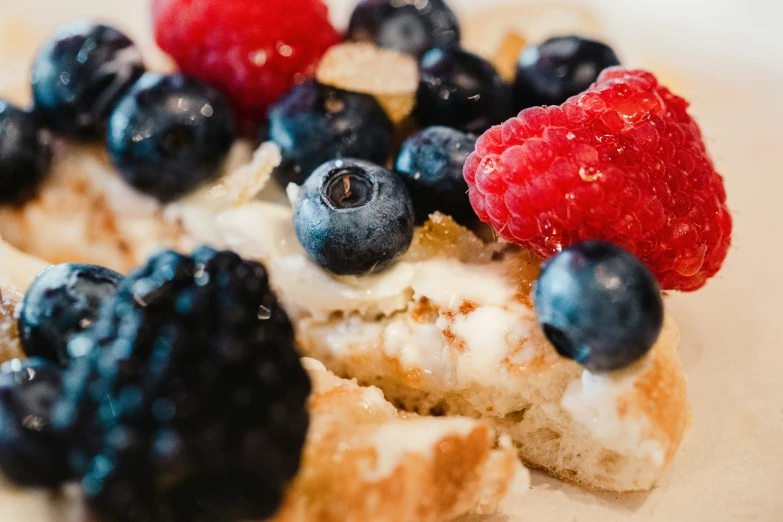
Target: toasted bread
450	329
363	460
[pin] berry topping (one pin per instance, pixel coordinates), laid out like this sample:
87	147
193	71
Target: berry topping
431	164
353	217
170	134
623	162
25	153
252	51
407	26
80	74
32	453
461	90
599	305
190	404
550	73
314	123
62	301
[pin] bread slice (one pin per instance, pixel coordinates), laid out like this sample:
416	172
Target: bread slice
450	330
363	460
474	350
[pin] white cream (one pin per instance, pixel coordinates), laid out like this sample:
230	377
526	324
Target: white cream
592	401
395	440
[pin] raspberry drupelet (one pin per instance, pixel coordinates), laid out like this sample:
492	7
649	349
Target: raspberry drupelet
622	162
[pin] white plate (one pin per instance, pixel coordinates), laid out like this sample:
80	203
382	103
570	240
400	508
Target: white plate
726	56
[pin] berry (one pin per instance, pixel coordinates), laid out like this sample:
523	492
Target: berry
623	162
550	73
62	301
32	452
80	75
252	51
25	153
170	134
461	90
410	27
599	305
431	164
315	123
190	404
353	217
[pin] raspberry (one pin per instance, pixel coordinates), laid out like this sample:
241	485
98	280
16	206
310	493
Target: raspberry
622	162
253	51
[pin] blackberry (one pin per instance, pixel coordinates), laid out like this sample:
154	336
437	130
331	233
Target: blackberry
190	405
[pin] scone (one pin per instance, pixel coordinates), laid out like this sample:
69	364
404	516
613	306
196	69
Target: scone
362	459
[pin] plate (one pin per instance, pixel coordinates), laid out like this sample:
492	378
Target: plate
727	58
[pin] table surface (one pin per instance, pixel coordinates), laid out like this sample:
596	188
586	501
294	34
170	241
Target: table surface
727	58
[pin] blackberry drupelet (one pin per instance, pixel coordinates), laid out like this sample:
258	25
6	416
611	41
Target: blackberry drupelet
190	405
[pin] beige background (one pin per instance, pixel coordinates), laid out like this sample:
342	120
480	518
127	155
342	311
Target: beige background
726	56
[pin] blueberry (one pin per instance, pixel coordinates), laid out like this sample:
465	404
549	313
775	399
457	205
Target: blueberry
599	305
431	163
32	453
407	26
550	73
25	153
314	123
353	217
80	74
461	90
62	301
169	134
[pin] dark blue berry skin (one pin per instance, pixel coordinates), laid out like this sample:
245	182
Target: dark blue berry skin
461	90
599	305
25	153
314	123
80	74
170	134
409	27
62	301
32	453
431	163
550	73
353	217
